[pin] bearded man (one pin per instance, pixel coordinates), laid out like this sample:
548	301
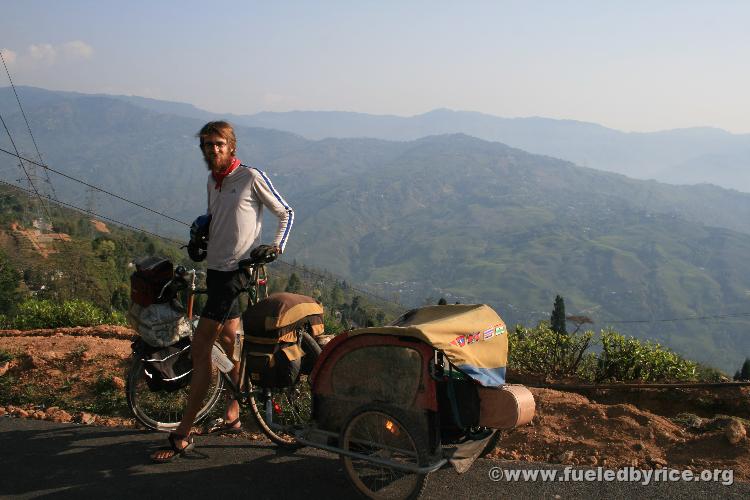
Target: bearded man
237	195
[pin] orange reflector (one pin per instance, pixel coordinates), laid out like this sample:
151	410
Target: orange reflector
391	427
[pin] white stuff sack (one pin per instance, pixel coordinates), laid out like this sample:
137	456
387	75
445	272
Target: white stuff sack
159	325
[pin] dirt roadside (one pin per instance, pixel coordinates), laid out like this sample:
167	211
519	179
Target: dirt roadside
67	375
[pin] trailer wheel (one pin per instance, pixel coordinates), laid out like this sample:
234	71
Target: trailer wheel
386	434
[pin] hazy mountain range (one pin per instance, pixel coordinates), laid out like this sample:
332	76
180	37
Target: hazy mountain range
682	156
449	215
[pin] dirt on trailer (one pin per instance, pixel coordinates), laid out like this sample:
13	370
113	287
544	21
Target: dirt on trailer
78	375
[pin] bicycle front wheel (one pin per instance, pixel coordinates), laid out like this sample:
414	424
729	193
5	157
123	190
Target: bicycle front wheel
280	411
163	410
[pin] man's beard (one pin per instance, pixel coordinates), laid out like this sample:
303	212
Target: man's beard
223	164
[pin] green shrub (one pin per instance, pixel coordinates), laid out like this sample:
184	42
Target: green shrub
35	314
709	374
542	351
627	359
332	325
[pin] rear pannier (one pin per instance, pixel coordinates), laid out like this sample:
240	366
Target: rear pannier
274	348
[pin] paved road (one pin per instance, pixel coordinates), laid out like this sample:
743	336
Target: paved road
47	460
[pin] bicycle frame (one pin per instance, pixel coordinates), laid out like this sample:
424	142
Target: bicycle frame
256	290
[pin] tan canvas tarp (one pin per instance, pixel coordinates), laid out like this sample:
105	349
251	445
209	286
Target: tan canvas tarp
473	337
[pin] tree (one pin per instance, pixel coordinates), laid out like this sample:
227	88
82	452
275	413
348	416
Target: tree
744	372
579	321
9	280
337	295
557	320
442	301
294	285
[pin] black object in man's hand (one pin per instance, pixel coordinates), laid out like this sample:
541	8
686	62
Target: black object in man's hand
196	253
264	253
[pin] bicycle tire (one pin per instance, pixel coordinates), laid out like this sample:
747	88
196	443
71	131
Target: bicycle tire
385	433
280	411
162	410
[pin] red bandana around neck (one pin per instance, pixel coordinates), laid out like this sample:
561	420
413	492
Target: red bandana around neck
219	177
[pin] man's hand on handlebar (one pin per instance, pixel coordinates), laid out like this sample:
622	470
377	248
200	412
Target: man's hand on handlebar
265	253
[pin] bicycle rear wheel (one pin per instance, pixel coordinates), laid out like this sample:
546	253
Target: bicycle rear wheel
280	411
162	410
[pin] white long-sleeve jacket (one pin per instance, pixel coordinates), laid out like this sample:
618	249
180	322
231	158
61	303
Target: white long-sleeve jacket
237	216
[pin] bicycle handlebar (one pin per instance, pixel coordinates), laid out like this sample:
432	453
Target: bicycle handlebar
185	278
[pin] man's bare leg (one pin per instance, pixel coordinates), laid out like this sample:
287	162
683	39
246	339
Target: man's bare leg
205	335
227	338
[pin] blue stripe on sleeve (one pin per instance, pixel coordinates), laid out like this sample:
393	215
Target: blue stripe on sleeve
289	210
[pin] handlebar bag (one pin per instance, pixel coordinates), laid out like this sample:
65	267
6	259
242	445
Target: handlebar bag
148	280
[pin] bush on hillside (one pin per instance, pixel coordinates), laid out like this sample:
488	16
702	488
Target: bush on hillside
35	314
543	351
628	359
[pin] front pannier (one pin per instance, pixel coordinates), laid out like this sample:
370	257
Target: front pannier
159	325
275	354
166	368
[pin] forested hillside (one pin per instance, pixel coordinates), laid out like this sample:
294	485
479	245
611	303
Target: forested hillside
72	261
452	216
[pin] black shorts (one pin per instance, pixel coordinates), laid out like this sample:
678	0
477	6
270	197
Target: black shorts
223	288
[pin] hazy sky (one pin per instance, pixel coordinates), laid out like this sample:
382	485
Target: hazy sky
630	65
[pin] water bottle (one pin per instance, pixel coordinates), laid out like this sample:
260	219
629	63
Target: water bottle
221	360
237	346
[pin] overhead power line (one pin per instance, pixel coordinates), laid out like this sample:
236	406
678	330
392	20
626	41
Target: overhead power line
323	277
28	127
139	205
79	209
41	200
94	187
298	268
364	292
686	318
23	158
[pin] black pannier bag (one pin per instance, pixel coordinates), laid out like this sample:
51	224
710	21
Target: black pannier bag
275	356
148	280
166	368
459	404
275	365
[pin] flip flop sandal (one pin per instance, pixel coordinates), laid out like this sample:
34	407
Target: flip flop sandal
176	451
221	426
